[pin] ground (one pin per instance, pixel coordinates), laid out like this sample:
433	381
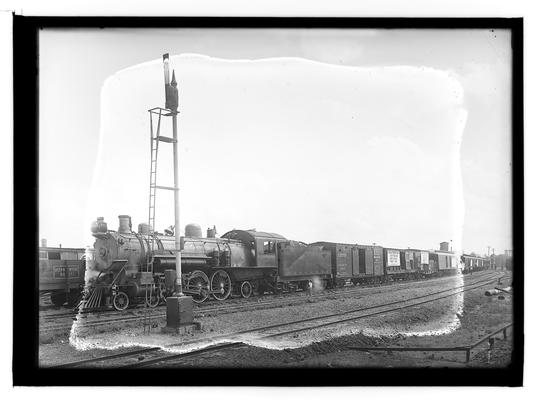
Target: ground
454	321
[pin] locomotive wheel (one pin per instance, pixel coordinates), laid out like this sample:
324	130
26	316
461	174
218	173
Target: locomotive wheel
58	299
246	289
198	280
121	301
162	292
152	298
220	283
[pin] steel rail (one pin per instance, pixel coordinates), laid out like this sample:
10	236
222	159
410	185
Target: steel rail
240	344
326	292
226	308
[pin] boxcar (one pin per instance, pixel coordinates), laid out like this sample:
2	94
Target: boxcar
421	262
61	273
370	266
353	262
344	261
407	263
472	263
392	260
400	264
444	262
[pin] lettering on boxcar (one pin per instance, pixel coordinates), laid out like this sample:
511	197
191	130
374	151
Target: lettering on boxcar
60	271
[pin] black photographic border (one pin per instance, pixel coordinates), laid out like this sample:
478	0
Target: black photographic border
25	200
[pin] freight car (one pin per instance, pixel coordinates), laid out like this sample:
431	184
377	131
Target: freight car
472	263
365	264
140	266
354	263
404	264
444	263
61	273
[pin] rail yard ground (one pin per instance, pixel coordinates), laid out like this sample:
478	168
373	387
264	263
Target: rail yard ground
453	318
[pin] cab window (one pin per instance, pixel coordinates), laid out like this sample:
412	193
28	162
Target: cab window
54	255
269	247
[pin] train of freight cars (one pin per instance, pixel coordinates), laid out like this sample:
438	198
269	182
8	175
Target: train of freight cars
134	267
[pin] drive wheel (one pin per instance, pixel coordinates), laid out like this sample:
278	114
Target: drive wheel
220	283
162	292
198	283
121	301
246	289
152	298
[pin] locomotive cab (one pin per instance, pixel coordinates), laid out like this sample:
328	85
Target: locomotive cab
262	246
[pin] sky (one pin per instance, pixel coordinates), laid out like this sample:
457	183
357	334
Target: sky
398	137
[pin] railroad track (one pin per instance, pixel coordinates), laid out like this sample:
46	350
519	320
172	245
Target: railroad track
255	300
156	355
199	312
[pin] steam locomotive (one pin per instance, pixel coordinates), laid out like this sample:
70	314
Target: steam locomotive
139	266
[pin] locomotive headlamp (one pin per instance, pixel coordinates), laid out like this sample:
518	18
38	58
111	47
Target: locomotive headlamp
102	252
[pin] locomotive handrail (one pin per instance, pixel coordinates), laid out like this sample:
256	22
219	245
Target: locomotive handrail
120	271
170	256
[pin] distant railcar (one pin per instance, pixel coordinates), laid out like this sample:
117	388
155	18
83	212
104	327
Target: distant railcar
61	274
472	263
444	263
399	264
407	263
422	262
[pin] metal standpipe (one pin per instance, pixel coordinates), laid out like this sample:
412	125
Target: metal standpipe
179	312
178	265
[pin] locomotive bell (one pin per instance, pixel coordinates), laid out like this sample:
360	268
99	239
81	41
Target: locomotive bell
211	232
